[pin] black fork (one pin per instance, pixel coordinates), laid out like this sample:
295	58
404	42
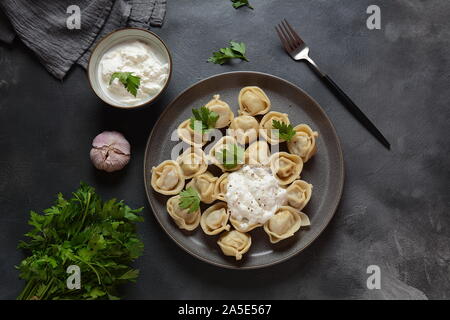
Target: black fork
298	50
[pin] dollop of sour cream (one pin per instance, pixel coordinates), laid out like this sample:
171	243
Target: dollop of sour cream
253	195
140	59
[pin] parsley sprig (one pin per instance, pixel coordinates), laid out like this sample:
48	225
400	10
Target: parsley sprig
240	3
203	119
284	131
130	81
230	156
189	199
236	50
97	236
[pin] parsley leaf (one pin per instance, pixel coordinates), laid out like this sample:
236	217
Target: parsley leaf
189	199
236	50
97	236
240	3
230	156
203	119
284	131
130	82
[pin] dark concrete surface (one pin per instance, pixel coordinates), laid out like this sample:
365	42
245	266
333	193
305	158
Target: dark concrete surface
394	211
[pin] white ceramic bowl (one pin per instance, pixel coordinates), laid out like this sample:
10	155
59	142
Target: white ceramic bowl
113	39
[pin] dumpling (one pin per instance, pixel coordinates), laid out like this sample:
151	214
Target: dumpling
192	162
204	185
266	126
167	178
303	143
253	101
215	219
283	224
243	226
182	217
220	189
191	137
286	167
234	243
244	129
226	142
222	109
305	219
257	153
299	194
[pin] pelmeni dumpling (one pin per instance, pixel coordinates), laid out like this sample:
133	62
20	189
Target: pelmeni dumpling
305	219
225	142
167	178
244	129
192	162
286	167
182	217
222	109
220	189
283	224
215	219
243	226
253	101
191	137
303	143
257	153
266	126
204	184
234	243
299	194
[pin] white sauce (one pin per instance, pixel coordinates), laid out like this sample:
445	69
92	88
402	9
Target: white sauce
253	195
140	59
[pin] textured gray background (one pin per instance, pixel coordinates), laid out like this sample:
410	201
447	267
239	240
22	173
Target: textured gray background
394	210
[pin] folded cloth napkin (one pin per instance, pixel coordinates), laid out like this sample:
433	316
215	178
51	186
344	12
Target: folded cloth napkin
42	26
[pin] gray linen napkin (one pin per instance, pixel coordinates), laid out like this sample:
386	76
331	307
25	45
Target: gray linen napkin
41	25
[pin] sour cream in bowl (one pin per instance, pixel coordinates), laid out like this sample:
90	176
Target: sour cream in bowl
130	68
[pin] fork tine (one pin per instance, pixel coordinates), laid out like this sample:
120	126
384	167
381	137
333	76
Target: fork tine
293	33
290	39
287	37
283	39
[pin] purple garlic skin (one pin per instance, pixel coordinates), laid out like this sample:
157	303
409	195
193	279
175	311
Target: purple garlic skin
110	151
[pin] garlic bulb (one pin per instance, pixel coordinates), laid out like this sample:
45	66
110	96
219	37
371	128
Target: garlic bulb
110	151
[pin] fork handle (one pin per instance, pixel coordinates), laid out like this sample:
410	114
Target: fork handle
354	109
350	105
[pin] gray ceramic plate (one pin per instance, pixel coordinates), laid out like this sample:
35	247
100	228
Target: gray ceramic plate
325	170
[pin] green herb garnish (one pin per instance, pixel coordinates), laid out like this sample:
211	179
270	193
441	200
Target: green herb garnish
236	50
189	199
203	119
230	156
130	82
240	3
97	236
284	131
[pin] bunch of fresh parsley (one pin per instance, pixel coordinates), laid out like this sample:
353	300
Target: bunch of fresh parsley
130	81
230	156
236	50
97	236
284	131
203	119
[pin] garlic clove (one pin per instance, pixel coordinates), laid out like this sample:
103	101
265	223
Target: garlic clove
110	151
